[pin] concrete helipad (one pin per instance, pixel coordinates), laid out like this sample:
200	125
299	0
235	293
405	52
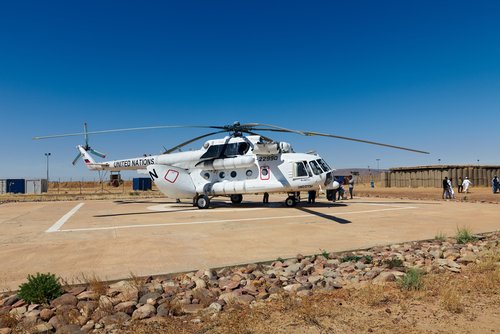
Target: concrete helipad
113	239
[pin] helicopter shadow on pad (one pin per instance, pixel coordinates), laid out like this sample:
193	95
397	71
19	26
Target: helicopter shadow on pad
324	215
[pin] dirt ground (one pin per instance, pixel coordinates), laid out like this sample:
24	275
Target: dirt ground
447	303
480	194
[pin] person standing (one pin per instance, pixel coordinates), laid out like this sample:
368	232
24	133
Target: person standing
450	188
340	191
466	185
311	196
265	198
351	185
446	188
460	186
496	184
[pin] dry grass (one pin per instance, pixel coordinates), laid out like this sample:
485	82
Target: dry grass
375	295
451	299
94	284
136	281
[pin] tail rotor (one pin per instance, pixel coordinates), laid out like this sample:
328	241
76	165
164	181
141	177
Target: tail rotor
86	149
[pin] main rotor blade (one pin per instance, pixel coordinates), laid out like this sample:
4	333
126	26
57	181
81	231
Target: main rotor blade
190	141
308	133
131	129
252	126
258	134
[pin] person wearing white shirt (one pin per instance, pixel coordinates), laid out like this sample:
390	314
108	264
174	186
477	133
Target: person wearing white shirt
466	184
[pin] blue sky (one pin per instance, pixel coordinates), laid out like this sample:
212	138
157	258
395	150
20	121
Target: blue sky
423	74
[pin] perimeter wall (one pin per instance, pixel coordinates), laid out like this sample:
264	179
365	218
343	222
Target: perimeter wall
432	176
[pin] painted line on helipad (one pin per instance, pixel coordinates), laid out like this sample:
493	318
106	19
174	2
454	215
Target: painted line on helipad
104	228
64	219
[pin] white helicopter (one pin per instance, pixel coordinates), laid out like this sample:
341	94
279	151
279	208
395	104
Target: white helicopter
244	162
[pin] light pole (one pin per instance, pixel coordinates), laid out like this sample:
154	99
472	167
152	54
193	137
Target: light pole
47	155
378	167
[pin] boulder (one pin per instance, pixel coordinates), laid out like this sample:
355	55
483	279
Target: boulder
191	308
144	312
70	329
66	299
114	319
384	277
75	291
46	314
152	296
126	307
43	327
88	295
215	307
163	310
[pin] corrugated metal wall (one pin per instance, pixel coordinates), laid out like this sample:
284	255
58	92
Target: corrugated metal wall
432	176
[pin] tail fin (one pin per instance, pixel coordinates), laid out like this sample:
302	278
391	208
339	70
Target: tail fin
87	158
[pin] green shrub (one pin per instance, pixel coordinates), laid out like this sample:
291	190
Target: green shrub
464	235
324	253
40	289
356	258
350	258
393	263
412	280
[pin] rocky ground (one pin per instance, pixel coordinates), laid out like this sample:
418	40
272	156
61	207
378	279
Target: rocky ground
327	293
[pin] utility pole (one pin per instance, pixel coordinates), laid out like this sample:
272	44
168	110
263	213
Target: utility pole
47	155
378	166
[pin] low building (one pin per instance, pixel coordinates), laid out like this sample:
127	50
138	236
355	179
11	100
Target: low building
432	176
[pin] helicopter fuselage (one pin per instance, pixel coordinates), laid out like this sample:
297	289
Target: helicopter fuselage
229	166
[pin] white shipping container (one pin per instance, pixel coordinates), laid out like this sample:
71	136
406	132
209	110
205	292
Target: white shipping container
36	186
3	186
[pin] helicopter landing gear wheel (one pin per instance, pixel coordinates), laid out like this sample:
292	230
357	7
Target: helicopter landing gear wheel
236	199
202	202
291	201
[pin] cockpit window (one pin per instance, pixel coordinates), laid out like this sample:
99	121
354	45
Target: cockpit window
323	165
308	169
226	151
315	167
299	170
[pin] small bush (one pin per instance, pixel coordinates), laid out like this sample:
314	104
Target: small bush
464	235
440	236
40	289
324	253
393	263
356	258
280	260
412	280
350	258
